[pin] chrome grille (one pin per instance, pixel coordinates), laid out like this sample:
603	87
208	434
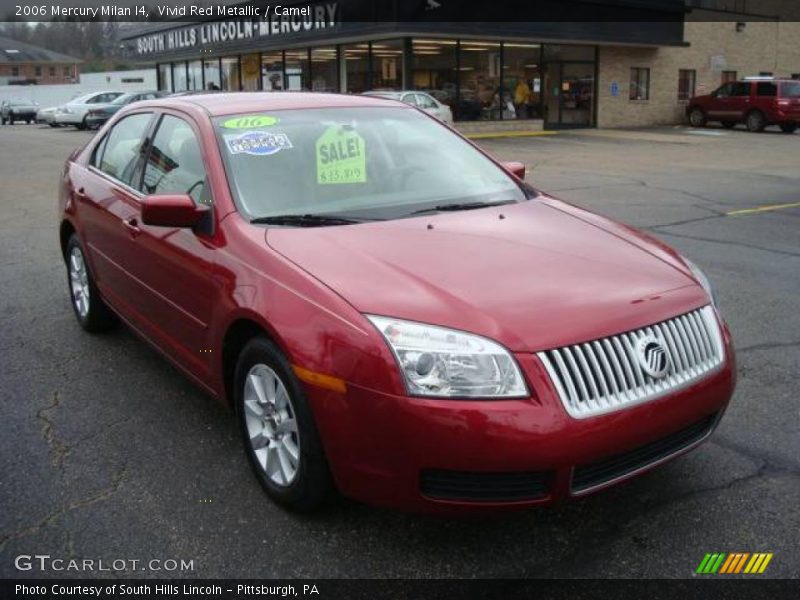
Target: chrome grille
605	375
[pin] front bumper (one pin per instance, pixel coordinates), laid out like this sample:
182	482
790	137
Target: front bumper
67	118
407	453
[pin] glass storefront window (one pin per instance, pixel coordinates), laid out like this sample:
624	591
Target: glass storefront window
434	71
356	57
230	74
251	72
480	83
212	75
195	75
165	77
324	69
272	71
387	64
522	77
179	80
298	72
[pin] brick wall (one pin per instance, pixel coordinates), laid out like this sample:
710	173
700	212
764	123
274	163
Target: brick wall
62	73
761	46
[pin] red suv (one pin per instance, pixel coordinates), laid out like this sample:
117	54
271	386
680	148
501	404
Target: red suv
756	103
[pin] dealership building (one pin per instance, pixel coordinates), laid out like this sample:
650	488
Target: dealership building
558	64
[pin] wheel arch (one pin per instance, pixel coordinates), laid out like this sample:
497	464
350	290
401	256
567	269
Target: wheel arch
65	231
237	334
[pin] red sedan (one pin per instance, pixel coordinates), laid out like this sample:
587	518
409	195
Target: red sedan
391	313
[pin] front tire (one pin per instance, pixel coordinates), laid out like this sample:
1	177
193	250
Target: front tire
756	121
82	125
697	118
278	430
789	127
90	310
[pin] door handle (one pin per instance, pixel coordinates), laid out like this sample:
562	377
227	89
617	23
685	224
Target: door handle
81	193
132	225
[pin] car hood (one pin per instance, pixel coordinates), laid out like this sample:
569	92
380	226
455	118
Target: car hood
534	275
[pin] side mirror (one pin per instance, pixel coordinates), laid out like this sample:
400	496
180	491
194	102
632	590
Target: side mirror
172	210
515	168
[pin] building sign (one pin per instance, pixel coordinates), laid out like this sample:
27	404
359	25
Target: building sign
718	63
615	89
219	33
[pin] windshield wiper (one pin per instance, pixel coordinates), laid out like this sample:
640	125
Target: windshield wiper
460	206
307	220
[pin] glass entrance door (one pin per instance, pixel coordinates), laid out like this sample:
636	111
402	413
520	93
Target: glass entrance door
569	94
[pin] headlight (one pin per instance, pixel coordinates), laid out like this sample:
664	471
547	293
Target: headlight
702	280
445	363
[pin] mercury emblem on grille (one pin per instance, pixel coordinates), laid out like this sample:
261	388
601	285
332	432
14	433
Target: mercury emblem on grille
652	356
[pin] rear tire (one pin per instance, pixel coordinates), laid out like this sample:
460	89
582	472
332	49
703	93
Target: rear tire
10	118
789	127
90	310
756	121
278	430
697	117
729	124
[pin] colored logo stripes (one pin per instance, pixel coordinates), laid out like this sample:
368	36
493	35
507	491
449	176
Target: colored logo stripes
736	562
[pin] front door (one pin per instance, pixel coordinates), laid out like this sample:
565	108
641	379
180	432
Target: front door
569	94
174	266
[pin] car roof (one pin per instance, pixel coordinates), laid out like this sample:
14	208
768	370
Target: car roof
393	93
219	104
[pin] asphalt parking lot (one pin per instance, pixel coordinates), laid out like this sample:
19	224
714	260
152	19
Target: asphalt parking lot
108	453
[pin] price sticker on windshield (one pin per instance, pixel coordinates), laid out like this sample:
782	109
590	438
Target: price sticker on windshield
341	156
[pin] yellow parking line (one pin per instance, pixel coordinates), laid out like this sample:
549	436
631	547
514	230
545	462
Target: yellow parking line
747	211
507	134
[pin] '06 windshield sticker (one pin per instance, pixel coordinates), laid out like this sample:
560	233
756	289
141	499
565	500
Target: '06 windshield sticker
341	156
257	143
250	121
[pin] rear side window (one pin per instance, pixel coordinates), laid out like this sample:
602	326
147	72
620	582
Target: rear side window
766	88
425	102
119	153
791	89
175	164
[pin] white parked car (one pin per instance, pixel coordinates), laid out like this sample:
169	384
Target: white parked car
419	99
74	112
47	116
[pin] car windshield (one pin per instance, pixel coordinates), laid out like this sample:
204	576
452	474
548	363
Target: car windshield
81	99
367	163
791	89
124	99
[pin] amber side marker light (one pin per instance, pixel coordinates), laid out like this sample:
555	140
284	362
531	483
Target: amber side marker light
320	380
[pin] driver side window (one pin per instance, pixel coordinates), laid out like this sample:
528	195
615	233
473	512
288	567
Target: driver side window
724	91
175	163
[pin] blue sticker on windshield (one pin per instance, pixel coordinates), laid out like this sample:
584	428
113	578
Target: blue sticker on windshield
257	143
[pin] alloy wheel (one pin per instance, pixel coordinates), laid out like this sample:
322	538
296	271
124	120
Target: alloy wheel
271	425
79	282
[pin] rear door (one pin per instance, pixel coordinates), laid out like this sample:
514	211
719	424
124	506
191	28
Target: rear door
108	204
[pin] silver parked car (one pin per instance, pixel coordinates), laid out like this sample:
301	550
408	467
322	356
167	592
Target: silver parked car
18	109
419	99
74	112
